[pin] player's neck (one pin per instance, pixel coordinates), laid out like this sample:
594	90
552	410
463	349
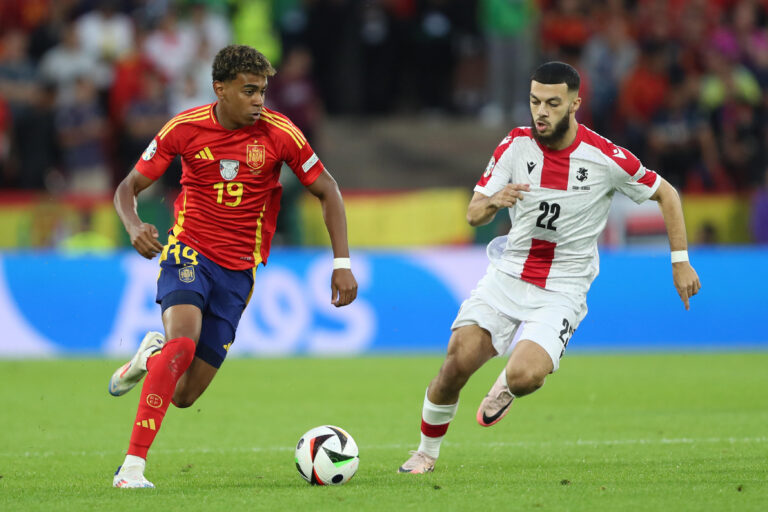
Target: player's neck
223	120
567	138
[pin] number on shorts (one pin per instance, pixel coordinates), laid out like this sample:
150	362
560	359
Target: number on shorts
566	333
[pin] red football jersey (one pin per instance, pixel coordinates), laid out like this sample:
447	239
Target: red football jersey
230	193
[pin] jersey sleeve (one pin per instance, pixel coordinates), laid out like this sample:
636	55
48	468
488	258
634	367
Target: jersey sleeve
630	176
301	158
498	172
158	155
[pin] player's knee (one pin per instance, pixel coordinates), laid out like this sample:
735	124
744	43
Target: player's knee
524	381
183	400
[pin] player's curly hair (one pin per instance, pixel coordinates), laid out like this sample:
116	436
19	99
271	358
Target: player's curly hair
239	58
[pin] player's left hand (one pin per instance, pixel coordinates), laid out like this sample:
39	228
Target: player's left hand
343	287
686	281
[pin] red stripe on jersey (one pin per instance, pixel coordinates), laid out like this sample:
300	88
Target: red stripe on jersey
648	179
554	172
499	151
539	261
433	430
623	158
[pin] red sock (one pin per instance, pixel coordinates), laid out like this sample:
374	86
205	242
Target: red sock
164	369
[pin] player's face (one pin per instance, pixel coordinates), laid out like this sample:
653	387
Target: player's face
551	109
241	99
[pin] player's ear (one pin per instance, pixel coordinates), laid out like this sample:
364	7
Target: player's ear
218	89
575	104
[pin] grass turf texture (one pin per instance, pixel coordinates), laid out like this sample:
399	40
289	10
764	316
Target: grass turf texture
607	432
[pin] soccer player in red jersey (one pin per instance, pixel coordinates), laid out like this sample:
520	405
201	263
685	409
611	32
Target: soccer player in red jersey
556	178
231	153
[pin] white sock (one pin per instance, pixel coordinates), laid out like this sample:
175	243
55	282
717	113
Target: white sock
132	460
435	418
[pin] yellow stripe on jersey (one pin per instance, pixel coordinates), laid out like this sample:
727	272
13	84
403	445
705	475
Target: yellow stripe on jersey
177	228
165	132
257	250
250	293
287	124
286	127
208	153
213	114
194	112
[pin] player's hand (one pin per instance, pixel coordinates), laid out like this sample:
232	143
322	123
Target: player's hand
509	195
144	238
343	287
686	281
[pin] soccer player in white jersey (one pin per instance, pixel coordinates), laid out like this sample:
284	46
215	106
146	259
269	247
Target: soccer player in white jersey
556	178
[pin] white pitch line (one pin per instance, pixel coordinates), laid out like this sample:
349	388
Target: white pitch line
499	444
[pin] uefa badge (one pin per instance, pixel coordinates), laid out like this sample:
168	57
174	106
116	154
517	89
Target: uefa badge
255	156
150	151
228	168
489	167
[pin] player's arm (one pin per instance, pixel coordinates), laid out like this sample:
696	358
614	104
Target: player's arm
483	208
144	237
685	278
343	283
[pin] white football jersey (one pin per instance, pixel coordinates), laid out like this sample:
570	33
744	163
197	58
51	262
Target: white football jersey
553	239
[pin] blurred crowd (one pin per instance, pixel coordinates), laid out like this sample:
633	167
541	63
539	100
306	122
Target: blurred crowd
85	84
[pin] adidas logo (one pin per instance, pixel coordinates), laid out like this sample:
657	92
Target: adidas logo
205	154
150	424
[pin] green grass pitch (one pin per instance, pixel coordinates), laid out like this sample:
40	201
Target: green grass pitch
607	432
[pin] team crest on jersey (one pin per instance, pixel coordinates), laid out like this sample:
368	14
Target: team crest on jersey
150	151
187	274
228	168
581	174
255	155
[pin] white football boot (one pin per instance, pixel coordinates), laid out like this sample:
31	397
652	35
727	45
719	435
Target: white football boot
419	463
131	477
128	375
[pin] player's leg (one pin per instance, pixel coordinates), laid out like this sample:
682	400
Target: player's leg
469	348
553	318
527	368
164	369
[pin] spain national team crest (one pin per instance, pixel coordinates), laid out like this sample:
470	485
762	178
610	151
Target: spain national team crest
187	274
228	168
255	155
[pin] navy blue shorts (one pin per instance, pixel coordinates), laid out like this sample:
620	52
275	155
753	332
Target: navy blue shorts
188	277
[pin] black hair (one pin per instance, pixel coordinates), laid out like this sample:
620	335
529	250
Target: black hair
239	58
556	72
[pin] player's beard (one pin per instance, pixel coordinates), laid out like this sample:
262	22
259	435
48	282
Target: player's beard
558	132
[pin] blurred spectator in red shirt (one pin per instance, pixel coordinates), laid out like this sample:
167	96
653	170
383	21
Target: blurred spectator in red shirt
564	25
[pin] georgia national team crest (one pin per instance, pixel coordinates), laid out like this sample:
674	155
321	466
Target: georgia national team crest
228	168
255	155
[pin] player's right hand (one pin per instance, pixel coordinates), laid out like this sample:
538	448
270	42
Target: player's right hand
509	195
144	239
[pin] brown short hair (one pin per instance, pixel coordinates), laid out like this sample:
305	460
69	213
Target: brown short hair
239	58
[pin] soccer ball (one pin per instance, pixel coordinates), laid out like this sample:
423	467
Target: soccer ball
327	455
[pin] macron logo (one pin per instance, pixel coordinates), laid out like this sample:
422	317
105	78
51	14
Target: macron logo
618	153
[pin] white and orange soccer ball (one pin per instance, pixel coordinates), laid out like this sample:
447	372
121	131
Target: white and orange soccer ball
327	455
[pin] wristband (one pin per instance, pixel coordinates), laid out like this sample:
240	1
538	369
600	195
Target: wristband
678	256
341	263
